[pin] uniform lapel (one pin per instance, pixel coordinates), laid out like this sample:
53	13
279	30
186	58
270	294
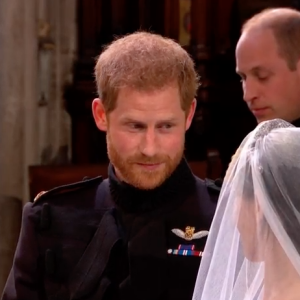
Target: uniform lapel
148	263
89	269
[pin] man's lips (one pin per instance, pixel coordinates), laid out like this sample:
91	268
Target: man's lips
149	165
258	111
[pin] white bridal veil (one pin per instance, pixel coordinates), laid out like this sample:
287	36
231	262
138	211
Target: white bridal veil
253	247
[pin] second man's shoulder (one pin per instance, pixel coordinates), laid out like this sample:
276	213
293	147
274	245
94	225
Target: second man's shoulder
78	192
71	210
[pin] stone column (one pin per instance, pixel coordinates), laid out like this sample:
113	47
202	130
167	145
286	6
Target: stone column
26	127
18	98
31	86
63	33
12	96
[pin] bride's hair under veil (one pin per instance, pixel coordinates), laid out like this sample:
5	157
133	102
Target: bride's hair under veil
253	248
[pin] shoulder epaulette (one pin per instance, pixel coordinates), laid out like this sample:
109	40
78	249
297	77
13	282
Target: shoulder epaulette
214	185
69	188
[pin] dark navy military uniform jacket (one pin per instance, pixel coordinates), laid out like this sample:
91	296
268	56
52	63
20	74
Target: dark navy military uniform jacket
103	240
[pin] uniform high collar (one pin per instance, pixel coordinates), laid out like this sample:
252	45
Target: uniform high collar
134	200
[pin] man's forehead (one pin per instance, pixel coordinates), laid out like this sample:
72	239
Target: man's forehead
252	68
256	51
257	37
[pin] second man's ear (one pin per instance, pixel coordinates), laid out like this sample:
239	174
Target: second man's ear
99	114
190	115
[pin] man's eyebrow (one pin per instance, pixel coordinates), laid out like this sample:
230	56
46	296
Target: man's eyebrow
258	69
133	120
129	120
255	69
168	120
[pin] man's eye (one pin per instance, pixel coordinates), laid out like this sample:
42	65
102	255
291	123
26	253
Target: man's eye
166	126
262	78
136	126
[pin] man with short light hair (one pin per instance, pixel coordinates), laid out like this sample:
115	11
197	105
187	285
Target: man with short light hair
140	234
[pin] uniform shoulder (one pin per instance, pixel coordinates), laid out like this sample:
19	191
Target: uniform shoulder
65	191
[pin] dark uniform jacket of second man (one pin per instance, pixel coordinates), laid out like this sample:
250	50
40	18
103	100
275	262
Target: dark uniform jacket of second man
106	240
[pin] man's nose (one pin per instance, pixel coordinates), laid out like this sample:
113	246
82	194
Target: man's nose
250	90
149	143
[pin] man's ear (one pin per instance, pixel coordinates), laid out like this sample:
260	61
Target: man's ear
99	114
190	115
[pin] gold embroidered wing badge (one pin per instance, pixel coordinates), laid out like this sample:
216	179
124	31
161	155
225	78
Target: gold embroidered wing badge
189	234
